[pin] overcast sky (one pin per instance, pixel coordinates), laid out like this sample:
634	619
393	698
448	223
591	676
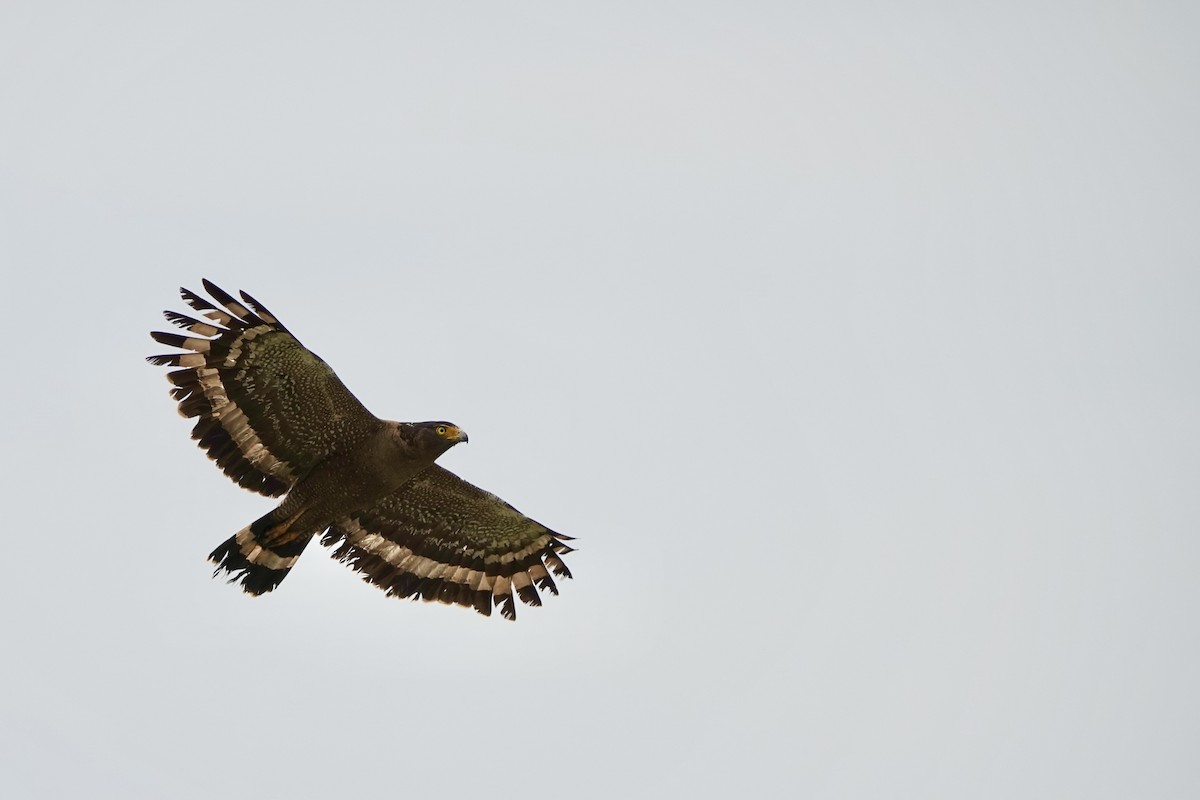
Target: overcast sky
857	343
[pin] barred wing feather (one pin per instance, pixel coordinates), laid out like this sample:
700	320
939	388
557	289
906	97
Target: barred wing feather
441	538
267	407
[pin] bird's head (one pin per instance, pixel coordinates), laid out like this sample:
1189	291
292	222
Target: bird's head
437	437
424	441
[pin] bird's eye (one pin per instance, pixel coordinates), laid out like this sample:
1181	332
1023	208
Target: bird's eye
440	430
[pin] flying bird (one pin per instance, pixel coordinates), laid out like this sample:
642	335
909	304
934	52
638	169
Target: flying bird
278	421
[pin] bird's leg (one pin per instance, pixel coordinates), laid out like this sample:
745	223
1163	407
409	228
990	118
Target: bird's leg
279	532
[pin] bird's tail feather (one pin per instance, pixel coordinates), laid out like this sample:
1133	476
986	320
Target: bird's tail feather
260	555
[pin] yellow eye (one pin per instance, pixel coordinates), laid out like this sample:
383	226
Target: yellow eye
440	430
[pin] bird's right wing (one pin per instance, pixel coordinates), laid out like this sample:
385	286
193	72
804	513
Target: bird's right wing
269	408
438	537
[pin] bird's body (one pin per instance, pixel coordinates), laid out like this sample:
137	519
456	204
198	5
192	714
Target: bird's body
376	466
277	420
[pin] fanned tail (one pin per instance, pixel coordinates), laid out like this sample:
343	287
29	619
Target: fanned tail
260	555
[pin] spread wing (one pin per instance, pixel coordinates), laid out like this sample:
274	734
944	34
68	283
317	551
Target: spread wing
268	408
438	537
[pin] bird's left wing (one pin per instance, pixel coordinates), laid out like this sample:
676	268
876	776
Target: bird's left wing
438	537
268	408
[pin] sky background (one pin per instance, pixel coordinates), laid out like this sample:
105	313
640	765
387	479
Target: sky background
856	342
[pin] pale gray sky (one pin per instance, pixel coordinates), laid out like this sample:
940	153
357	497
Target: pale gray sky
856	342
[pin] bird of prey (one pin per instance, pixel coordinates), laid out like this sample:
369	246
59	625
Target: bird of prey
278	421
